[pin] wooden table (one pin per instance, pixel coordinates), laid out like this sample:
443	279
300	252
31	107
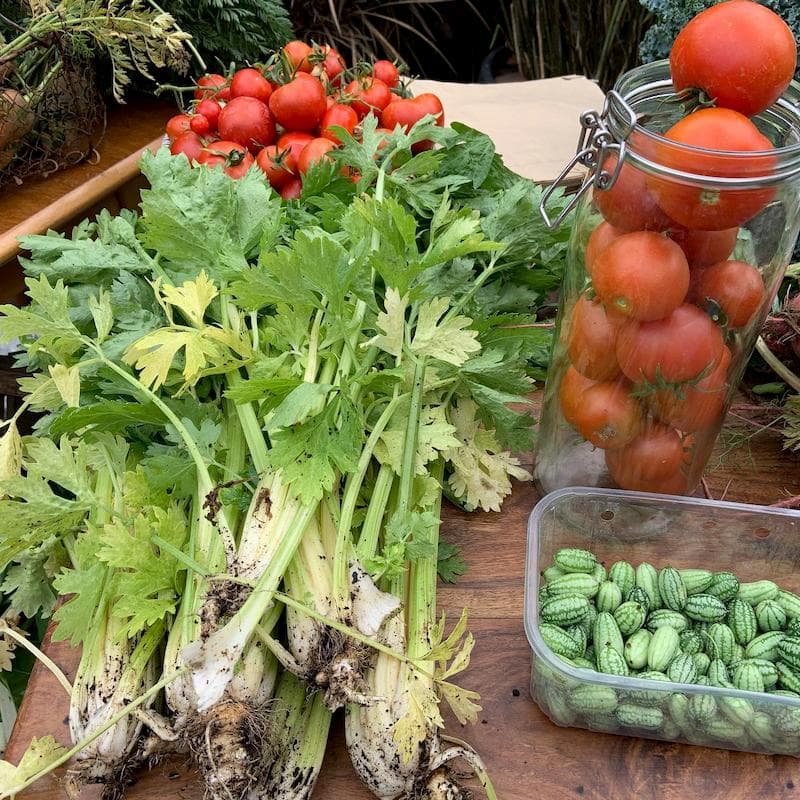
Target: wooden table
527	755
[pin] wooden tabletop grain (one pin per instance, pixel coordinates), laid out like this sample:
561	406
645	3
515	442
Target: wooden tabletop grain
527	755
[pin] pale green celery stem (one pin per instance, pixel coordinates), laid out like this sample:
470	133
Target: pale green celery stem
373	521
313	348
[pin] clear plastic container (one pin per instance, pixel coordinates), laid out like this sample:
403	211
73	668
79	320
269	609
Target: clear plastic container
753	542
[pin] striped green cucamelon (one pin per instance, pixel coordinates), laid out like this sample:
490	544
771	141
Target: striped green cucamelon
607	723
787	721
640	596
691	642
784	693
793	627
756	591
573	559
565	610
724	729
606	631
682	669
770	616
635	716
787	677
724	585
587	623
669	730
701	663
789	602
650	697
583	663
789	651
559	710
702	707
720	642
646	578
678	706
705	608
664	617
599	573
578	633
622	573
574	583
592	699
630	617
696	581
742	620
672	589
747	677
559	641
609	596
735	708
761	728
635	650
611	661
553	572
718	674
662	648
768	670
765	645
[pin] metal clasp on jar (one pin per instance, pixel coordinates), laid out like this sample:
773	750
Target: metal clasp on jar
595	143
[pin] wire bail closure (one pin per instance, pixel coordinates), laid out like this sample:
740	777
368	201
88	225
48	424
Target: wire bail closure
595	143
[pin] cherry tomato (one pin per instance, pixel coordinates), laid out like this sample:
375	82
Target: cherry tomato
703	248
212	85
673	350
292	190
340	116
694	407
334	66
247	121
210	109
628	205
294	141
299	104
735	285
188	143
607	415
278	165
713	129
642	275
312	153
231	156
572	387
741	54
200	124
592	339
656	453
599	239
178	124
671	484
368	95
250	82
297	54
407	112
387	72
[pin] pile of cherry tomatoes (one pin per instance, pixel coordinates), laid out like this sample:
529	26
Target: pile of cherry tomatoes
286	115
650	340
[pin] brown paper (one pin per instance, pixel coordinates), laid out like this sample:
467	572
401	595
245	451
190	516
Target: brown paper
534	124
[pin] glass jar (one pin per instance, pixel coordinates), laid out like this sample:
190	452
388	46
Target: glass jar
676	253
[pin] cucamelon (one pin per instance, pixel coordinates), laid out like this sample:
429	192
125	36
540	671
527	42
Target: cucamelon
573	559
672	589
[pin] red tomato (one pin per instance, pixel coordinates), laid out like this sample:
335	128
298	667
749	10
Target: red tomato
247	121
387	72
591	340
200	124
628	205
299	104
673	350
674	483
278	165
703	248
572	387
340	116
333	65
313	152
713	129
294	141
599	239
407	112
250	83
297	54
210	109
178	124
188	143
231	156
212	85
735	286
292	190
693	408
656	453
607	415
741	54
642	275
368	95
